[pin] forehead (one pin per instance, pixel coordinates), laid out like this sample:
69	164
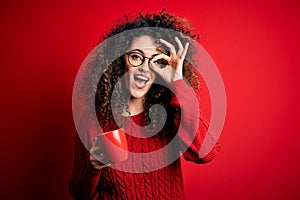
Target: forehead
144	43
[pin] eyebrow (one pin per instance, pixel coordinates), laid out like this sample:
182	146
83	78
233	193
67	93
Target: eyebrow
139	50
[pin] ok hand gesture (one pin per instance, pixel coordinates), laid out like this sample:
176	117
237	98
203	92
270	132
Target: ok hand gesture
174	67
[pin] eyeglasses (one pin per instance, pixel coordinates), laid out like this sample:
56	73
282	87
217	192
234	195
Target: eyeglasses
136	59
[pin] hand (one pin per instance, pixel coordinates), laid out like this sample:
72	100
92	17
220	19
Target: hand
97	164
96	156
173	70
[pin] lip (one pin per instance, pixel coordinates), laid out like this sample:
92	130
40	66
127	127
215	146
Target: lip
140	77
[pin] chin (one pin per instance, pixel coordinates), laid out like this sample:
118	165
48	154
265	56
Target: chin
138	95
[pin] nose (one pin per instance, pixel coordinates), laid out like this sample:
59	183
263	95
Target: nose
145	66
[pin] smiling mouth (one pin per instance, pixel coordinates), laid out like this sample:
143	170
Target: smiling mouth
140	81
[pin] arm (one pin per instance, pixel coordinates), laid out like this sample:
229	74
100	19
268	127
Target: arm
193	124
85	178
86	171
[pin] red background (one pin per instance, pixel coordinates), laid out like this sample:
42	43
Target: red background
255	45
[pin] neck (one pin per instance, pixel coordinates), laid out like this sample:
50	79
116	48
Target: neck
136	105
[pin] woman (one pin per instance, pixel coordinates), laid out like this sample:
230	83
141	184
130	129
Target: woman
153	71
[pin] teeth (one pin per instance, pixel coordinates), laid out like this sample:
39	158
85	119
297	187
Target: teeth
142	78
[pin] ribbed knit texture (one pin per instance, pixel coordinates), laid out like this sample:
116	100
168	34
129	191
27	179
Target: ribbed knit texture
165	183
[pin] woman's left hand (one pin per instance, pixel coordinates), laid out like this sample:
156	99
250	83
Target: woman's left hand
173	70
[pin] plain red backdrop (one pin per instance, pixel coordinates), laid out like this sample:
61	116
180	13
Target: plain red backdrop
255	45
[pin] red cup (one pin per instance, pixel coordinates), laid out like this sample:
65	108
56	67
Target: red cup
114	145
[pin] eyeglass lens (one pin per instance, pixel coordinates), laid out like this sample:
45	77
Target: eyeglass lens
137	59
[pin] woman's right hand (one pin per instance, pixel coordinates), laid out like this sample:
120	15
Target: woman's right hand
97	158
97	164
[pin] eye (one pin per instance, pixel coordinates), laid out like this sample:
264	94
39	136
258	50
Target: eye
135	56
160	62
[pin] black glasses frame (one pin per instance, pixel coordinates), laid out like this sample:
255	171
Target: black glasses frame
143	60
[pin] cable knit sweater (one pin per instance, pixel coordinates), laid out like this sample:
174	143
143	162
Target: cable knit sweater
165	183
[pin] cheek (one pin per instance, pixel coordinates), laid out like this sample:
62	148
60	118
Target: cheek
128	75
127	68
153	76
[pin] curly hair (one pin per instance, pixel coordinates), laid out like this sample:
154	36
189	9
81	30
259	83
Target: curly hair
110	82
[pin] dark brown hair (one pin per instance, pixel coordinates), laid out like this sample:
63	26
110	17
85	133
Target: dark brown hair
112	72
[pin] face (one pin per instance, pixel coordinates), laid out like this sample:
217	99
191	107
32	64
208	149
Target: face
139	79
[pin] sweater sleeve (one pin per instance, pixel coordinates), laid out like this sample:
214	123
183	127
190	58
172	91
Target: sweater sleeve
193	127
84	178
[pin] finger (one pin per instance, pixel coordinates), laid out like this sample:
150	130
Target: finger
97	164
186	46
180	50
170	46
95	151
161	61
161	56
158	69
98	156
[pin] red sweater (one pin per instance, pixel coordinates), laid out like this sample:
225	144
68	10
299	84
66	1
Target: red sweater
165	183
